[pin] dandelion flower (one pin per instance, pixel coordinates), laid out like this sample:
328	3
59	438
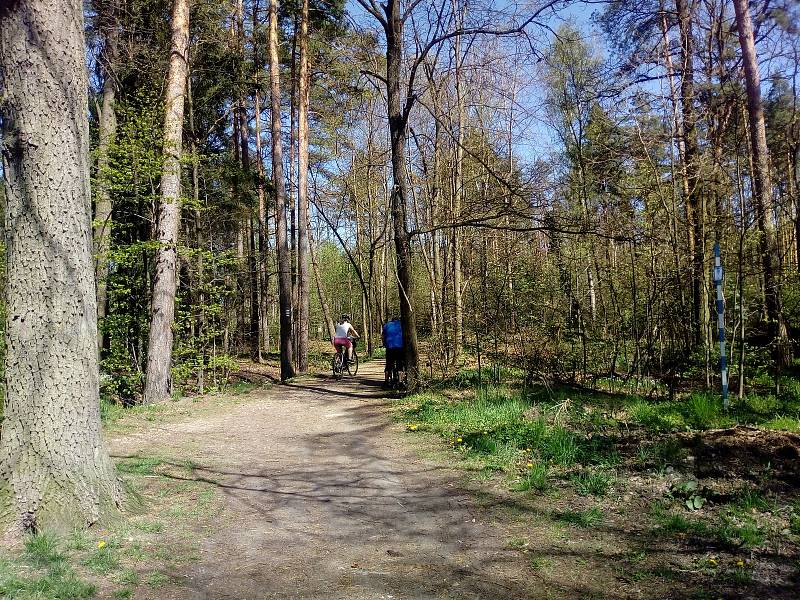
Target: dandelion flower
530	465
459	440
739	563
712	562
101	544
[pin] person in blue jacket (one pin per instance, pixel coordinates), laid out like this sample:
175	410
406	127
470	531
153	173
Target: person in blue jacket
392	335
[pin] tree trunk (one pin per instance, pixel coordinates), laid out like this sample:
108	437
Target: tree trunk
458	196
263	233
55	470
762	192
107	131
284	268
158	384
399	194
302	196
695	213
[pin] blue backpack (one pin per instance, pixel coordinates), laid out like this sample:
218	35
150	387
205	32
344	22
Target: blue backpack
393	334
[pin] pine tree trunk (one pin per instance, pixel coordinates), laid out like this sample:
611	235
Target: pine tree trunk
302	196
284	266
762	184
263	234
158	384
54	467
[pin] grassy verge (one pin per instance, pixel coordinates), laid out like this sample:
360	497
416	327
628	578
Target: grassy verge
614	473
140	554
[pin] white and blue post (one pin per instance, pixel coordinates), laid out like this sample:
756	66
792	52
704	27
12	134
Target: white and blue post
723	361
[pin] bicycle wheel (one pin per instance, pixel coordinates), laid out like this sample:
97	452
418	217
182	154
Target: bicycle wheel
337	365
352	369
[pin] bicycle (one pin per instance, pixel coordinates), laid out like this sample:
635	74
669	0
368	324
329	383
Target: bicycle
397	376
340	362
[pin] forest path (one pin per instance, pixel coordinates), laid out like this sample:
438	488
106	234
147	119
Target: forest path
323	499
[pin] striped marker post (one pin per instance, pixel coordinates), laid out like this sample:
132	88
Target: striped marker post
723	361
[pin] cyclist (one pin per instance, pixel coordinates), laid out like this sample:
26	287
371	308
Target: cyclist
392	334
344	336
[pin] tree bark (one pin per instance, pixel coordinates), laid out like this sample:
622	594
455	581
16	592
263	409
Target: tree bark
284	267
302	195
398	123
54	467
762	184
158	385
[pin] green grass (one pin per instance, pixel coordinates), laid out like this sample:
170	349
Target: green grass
102	560
150	526
156	579
139	465
593	482
42	550
783	423
750	500
669	522
736	532
664	416
731	532
128	577
536	478
703	411
585	518
794	518
492	426
518	543
58	582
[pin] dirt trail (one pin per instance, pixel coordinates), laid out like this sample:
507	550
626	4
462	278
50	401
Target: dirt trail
324	500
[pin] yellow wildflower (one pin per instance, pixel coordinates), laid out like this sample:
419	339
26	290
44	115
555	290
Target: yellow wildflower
530	465
459	440
712	562
101	544
739	563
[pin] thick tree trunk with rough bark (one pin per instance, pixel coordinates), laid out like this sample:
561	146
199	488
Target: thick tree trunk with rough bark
399	194
302	195
55	470
762	184
284	268
158	385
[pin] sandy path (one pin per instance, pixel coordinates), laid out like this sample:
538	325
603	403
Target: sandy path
323	499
